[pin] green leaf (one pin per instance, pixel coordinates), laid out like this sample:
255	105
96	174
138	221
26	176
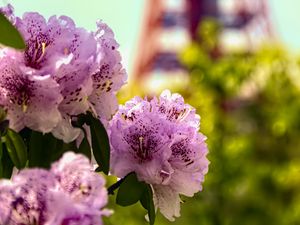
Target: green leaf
6	165
100	142
2	114
130	191
3	127
147	202
1	149
1	154
10	36
16	148
45	149
98	169
79	120
85	148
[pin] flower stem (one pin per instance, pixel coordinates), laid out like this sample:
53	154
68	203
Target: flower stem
115	186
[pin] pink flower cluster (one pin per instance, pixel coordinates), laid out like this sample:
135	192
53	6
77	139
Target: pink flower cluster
159	140
64	71
70	194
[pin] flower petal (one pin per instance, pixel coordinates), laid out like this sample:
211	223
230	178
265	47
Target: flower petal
108	75
167	200
76	86
65	131
31	101
76	178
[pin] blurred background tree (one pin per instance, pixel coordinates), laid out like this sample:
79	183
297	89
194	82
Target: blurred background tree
253	127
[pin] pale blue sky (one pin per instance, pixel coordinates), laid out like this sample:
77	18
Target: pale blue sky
285	15
124	16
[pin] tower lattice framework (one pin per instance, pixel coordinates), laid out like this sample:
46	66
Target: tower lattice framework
169	25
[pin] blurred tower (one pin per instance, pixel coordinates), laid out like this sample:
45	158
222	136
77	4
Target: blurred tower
169	25
247	23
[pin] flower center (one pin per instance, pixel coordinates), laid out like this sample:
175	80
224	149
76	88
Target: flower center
143	145
19	91
35	51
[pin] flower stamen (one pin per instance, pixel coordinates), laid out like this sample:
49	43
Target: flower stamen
141	139
184	114
43	52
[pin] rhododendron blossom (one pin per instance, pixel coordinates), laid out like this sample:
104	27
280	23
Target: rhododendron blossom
63	73
159	140
79	70
70	193
31	100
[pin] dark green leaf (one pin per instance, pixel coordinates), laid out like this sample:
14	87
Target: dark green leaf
2	114
147	202
79	120
45	149
100	142
1	149
98	169
6	165
1	154
16	148
64	147
85	148
25	133
130	191
10	36
3	127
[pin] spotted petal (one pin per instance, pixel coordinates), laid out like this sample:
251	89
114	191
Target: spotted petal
31	100
76	178
109	74
158	139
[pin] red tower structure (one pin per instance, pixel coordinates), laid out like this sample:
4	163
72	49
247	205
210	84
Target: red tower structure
169	25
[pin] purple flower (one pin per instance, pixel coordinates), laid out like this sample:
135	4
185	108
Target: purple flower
108	76
31	100
76	178
7	196
75	86
49	46
160	141
84	66
29	197
68	212
70	193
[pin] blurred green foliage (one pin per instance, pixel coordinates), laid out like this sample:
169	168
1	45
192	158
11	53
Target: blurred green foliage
249	103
